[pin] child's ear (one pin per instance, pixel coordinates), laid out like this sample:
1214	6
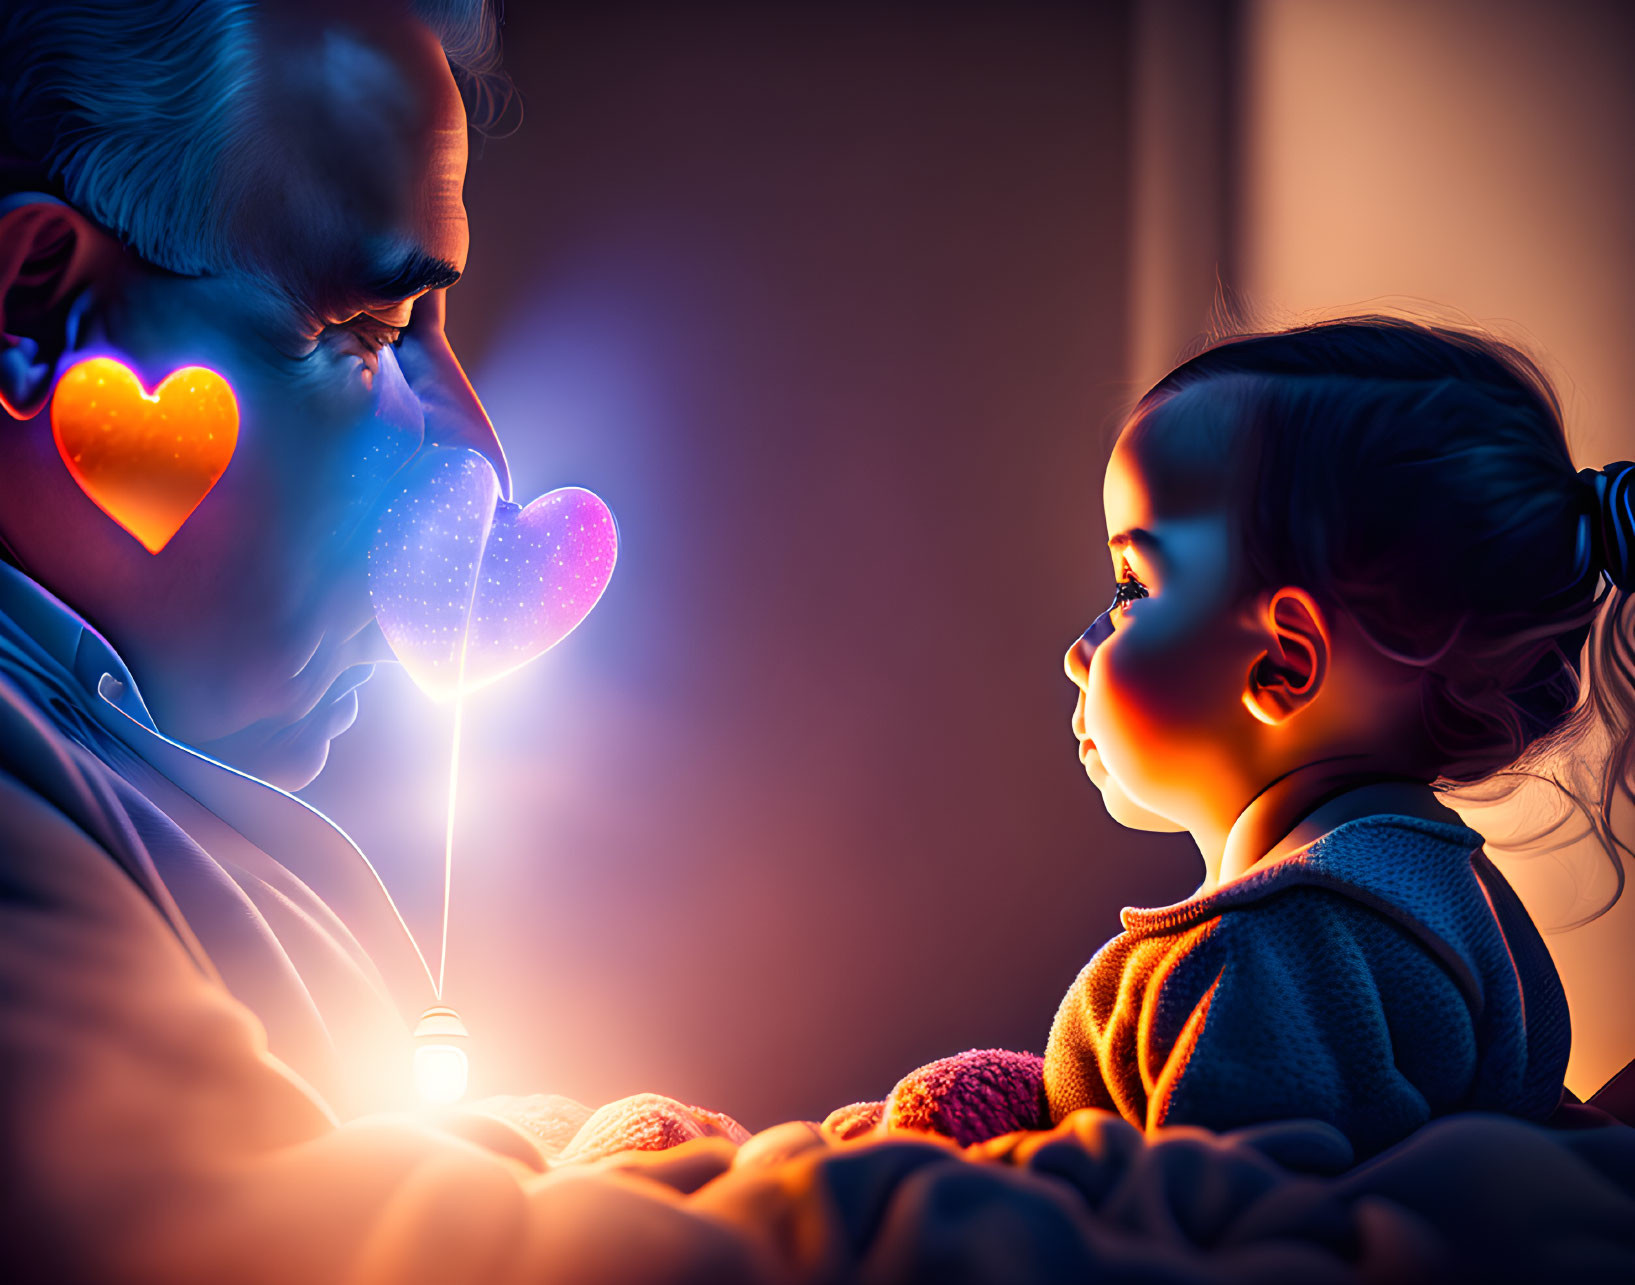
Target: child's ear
1287	676
49	254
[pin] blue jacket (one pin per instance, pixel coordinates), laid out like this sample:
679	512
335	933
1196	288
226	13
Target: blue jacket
1381	975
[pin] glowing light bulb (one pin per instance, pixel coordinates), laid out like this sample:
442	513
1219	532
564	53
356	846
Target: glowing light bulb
440	1072
440	1064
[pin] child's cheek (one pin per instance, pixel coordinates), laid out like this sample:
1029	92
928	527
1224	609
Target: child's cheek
1119	709
1152	708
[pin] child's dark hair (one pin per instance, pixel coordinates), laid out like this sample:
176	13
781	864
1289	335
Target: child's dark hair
1418	476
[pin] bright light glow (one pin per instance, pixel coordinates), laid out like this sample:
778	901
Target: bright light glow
440	1066
440	1072
448	838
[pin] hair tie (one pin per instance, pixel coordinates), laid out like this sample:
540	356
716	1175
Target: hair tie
1608	528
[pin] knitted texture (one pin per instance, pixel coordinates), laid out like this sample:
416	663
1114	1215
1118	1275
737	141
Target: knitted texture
854	1120
1372	980
971	1096
646	1122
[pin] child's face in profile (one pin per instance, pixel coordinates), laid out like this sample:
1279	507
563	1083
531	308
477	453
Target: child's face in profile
1162	728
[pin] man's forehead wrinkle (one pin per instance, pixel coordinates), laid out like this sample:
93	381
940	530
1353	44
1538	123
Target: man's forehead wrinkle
439	208
440	204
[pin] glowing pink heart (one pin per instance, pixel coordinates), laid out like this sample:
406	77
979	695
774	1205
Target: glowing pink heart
468	587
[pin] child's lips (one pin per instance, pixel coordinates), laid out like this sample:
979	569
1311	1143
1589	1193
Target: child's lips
1091	760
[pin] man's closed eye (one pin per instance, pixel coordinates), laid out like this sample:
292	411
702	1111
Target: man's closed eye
374	333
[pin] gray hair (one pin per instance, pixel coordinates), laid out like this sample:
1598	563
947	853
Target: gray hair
134	111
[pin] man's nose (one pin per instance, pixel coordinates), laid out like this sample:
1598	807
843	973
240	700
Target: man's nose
454	415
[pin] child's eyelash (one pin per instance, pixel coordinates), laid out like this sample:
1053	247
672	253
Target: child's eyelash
1129	589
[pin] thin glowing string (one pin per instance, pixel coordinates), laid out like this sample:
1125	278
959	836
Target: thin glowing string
454	754
453	796
448	839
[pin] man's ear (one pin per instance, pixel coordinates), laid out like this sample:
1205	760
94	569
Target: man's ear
1287	676
49	254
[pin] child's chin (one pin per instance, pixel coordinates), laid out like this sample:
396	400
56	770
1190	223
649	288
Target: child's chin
1130	814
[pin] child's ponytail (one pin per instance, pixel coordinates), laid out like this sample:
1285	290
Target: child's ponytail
1589	759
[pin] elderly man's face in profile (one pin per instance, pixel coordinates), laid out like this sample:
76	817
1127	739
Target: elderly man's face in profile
249	632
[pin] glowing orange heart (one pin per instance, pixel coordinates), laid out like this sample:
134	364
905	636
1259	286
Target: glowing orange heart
146	460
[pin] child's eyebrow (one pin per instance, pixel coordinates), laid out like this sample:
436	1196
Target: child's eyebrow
1141	538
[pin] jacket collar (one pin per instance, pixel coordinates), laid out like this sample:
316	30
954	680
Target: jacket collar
1413	870
285	827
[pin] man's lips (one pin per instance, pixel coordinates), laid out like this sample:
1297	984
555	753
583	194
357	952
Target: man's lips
356	652
337	707
348	680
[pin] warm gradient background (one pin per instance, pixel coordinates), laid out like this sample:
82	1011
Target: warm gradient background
838	305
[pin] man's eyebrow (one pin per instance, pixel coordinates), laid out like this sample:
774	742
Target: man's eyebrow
412	273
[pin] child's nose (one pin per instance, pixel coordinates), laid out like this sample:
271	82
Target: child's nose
1077	661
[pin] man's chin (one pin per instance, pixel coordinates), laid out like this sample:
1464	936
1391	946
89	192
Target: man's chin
289	755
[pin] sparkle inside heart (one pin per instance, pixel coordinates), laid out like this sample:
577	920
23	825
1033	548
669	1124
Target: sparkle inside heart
468	587
146	460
